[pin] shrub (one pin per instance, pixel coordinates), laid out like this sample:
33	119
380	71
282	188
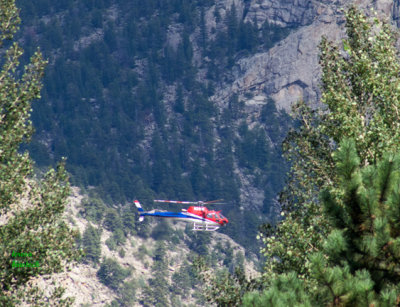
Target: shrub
91	244
112	274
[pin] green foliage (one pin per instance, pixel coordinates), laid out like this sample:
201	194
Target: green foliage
363	90
129	222
366	235
361	93
117	238
156	293
183	280
177	236
114	303
121	253
162	231
93	209
287	290
112	274
199	242
111	244
223	288
142	252
239	261
358	264
344	255
31	208
144	230
9	21
91	243
112	220
127	293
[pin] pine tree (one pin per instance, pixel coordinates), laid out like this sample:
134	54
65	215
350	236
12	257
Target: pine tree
223	288
30	209
112	274
91	243
203	30
358	264
157	292
363	248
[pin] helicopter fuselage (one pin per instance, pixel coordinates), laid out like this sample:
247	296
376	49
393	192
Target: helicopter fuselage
203	219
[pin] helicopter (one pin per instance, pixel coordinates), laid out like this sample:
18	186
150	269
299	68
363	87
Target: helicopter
202	218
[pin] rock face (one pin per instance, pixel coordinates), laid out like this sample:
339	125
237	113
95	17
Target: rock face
289	71
290	13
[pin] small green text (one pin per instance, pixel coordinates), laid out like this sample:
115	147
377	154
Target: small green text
16	264
22	255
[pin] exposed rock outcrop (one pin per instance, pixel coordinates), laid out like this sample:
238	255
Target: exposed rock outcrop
292	13
289	71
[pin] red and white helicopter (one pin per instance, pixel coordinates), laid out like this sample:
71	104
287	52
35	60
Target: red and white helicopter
202	218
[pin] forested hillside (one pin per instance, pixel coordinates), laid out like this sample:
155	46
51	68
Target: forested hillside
126	99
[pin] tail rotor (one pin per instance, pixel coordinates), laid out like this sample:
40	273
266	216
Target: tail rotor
140	210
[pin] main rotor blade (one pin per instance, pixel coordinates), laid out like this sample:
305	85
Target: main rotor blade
199	203
176	202
216	202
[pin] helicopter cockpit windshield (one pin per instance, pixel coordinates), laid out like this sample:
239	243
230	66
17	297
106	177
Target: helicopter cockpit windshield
217	216
221	216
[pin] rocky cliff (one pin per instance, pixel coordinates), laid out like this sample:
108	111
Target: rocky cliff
289	71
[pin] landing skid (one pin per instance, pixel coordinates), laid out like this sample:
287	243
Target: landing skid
204	227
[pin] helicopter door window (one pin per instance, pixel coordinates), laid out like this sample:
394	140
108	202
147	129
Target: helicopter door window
210	215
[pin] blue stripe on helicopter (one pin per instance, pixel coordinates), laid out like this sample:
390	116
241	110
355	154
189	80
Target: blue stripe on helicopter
171	215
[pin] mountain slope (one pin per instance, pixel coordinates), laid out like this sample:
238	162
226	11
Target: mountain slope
139	255
130	94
